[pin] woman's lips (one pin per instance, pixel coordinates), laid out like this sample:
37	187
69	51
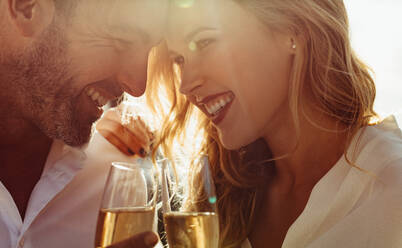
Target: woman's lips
220	116
216	106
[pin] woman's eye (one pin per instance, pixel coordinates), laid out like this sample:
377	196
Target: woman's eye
203	43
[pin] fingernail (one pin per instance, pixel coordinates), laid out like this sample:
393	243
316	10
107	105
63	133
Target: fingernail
130	152
150	239
142	152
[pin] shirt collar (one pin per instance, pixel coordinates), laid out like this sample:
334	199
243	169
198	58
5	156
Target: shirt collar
60	151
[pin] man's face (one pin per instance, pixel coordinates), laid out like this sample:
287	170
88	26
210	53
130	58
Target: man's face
83	61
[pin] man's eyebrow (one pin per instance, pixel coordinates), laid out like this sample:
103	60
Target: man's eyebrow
190	35
125	28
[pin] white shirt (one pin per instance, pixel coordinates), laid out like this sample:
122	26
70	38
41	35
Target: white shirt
63	207
349	208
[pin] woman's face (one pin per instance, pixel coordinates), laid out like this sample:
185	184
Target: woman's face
236	69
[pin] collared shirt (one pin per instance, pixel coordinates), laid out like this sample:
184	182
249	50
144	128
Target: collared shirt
63	207
354	208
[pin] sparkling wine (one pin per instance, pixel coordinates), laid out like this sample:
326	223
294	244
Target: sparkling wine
192	230
117	224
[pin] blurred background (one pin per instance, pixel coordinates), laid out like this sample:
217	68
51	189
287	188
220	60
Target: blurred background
377	38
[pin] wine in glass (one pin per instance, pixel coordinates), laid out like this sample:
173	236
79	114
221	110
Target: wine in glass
128	204
191	220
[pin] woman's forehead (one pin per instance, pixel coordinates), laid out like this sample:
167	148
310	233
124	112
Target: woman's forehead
203	13
187	9
203	10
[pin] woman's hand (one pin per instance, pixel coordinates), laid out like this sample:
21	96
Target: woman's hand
142	240
131	136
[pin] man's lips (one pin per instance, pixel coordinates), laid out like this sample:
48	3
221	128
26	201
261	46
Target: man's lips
137	92
99	96
104	92
94	97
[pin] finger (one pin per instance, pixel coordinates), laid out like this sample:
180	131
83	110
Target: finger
135	124
140	131
123	134
121	137
142	240
114	140
145	127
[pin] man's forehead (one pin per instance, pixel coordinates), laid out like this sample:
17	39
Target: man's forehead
141	12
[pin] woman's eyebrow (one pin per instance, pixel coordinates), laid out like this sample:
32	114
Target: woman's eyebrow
191	34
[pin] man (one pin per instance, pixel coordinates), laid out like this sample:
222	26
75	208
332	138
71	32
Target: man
60	62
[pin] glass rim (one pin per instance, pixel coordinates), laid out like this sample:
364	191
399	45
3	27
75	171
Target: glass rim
121	166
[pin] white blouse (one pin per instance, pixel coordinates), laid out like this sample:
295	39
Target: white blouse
353	208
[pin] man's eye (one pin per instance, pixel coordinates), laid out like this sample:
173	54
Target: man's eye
121	44
201	44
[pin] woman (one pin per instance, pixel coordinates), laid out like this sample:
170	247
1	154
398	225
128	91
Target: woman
287	120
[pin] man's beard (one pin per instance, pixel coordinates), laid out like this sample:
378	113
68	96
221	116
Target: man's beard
44	90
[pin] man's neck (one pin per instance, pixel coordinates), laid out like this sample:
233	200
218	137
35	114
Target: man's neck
23	153
18	134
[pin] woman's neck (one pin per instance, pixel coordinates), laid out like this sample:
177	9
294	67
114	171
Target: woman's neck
306	157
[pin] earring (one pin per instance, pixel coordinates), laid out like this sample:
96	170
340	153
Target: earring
293	44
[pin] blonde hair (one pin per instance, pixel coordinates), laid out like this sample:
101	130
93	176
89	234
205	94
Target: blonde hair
325	65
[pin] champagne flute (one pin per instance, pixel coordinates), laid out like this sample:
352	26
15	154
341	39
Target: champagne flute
191	221
128	204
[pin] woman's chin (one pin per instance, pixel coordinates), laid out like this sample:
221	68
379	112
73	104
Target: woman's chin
233	144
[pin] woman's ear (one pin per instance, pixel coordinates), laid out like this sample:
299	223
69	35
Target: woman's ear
31	17
292	40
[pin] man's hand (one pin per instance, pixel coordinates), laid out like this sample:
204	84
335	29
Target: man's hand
142	240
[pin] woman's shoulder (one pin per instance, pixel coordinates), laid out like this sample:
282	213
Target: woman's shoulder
378	212
383	149
386	151
379	156
389	132
386	203
391	177
378	145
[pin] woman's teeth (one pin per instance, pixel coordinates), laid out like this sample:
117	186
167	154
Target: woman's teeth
213	107
96	97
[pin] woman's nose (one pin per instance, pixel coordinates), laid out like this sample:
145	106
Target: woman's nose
190	76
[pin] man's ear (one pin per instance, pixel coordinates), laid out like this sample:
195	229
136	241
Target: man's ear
31	17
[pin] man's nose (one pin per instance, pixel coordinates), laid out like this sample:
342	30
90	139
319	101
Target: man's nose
133	73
